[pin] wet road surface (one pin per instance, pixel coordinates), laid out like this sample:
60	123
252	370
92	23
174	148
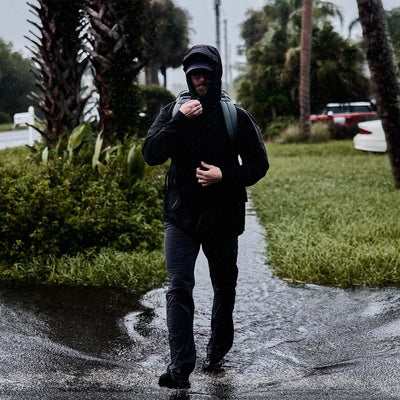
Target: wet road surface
292	342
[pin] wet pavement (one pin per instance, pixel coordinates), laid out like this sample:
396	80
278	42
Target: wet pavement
292	342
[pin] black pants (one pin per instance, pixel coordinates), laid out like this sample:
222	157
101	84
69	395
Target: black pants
181	252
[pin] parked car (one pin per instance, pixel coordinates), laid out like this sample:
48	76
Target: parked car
346	114
371	137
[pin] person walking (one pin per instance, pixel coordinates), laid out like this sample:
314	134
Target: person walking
204	206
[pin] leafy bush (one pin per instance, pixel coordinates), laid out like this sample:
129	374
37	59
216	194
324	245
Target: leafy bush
65	200
320	133
276	127
292	134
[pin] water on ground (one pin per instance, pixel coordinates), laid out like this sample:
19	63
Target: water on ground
292	342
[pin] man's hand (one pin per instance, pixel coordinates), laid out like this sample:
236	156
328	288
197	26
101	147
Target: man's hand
191	108
212	175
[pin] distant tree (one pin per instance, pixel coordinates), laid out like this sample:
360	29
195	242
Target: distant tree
59	64
253	28
270	87
393	23
392	18
384	74
16	80
305	65
168	41
116	47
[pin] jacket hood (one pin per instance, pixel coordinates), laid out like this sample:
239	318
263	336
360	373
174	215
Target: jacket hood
213	57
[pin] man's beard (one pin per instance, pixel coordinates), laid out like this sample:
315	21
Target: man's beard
202	90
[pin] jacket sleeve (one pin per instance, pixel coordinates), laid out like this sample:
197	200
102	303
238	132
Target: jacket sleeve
163	136
252	152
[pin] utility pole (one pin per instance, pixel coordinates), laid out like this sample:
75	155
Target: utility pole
226	54
217	3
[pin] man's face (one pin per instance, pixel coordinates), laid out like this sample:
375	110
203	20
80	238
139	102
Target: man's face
201	79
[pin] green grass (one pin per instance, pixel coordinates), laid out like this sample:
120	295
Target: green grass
139	271
332	215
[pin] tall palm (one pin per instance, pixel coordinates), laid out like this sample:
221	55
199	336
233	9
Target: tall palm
305	65
384	74
392	18
60	64
115	44
168	40
271	85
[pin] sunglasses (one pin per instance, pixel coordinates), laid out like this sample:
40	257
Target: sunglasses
198	73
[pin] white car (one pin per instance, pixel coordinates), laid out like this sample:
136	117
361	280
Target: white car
371	137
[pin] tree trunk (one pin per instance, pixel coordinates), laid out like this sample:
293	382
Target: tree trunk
385	76
305	64
59	65
151	75
164	74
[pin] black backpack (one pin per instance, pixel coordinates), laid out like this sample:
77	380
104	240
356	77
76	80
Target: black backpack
228	109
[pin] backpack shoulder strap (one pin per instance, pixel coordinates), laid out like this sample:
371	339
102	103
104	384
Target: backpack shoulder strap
228	109
182	98
230	115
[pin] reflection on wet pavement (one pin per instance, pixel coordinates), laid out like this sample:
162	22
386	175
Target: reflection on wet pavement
292	342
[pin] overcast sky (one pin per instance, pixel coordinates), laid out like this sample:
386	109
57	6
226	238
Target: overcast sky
14	13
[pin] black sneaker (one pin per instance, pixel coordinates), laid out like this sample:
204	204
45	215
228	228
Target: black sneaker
213	366
174	379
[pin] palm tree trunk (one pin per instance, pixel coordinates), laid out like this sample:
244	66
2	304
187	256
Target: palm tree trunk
164	74
151	75
385	76
59	64
305	66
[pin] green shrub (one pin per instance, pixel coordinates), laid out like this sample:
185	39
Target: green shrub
320	133
55	203
292	134
276	127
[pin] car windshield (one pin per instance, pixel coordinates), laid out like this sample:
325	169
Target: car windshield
361	109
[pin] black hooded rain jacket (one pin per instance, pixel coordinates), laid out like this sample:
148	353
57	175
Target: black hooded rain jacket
218	210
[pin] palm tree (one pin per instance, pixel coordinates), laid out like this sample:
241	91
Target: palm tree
270	87
305	65
392	18
60	64
116	48
168	40
384	74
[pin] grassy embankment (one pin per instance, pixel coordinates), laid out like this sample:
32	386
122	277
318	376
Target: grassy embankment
332	215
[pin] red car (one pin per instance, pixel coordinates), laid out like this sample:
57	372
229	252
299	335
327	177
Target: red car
345	113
